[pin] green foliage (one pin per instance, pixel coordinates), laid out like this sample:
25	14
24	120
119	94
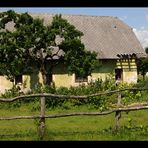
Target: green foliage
32	44
129	96
52	102
130	131
14	92
98	102
77	59
14	59
74	128
102	102
142	83
146	50
125	133
142	66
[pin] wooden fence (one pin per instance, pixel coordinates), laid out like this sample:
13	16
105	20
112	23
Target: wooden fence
43	97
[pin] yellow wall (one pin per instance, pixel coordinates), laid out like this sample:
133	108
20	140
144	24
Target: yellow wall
26	81
95	76
4	84
129	70
62	78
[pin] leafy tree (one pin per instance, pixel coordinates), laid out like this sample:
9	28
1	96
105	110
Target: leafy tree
31	43
142	65
13	59
146	50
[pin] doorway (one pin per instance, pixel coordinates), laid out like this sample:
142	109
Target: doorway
118	74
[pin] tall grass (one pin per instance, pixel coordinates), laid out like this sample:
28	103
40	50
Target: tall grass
133	126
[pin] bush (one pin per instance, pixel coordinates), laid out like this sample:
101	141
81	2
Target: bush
11	93
142	83
102	102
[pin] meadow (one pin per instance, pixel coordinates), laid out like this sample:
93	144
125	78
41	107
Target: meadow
132	126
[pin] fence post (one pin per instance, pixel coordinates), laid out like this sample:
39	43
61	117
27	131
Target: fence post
42	119
119	99
117	117
118	113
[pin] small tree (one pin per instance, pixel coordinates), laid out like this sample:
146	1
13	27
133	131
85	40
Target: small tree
146	50
142	65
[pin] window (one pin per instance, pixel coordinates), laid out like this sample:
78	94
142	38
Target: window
118	74
81	78
18	79
49	79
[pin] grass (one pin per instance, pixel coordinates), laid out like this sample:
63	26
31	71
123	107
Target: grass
133	126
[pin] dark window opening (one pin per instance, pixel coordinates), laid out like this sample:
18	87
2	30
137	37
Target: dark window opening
81	78
18	79
118	74
48	79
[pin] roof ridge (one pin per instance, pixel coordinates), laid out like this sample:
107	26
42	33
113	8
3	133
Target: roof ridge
48	13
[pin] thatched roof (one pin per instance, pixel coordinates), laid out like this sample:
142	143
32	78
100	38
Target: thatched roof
106	35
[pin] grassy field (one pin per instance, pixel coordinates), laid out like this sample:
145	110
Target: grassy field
133	126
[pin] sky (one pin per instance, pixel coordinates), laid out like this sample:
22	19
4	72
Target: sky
135	17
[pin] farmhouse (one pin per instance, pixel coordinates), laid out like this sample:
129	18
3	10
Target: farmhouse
113	40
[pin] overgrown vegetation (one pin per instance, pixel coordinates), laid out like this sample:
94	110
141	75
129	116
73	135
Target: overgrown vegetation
142	64
134	129
133	126
102	102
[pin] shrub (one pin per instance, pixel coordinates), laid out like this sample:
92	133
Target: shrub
13	92
142	83
102	102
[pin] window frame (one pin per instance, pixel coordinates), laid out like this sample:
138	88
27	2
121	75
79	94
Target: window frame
118	74
18	79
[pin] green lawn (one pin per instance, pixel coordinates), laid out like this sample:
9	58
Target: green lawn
133	126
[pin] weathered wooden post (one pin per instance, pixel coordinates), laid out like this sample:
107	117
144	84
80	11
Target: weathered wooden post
42	119
117	117
119	99
118	113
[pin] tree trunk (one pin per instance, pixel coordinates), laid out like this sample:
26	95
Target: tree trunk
44	67
46	76
43	72
143	76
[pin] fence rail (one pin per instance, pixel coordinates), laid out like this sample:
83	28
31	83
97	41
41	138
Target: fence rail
69	96
42	115
75	114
